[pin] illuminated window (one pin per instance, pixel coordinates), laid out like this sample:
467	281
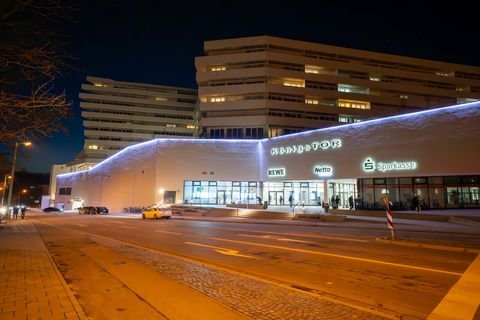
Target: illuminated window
404	97
375	78
160	99
218	68
445	74
312	69
353	89
217	99
169	125
294	83
190	126
99	85
93	147
311	101
354	104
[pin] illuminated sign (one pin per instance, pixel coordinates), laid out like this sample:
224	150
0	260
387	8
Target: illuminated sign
301	148
277	172
323	170
369	165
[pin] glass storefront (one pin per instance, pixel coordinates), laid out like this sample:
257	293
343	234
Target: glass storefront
308	193
433	192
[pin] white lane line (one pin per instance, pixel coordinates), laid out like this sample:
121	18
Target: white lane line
273	238
298	235
225	251
462	301
339	256
126	227
169	232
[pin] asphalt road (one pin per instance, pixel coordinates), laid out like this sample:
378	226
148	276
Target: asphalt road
342	265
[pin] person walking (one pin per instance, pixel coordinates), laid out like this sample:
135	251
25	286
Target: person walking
290	199
350	202
416	203
281	200
337	201
23	210
15	212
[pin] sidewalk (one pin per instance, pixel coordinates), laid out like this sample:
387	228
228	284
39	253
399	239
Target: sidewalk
31	287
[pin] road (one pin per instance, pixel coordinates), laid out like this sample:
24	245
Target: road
259	271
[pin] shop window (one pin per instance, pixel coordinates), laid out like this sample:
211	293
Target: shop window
196	183
287	184
252	184
212	183
379	181
420	180
236	183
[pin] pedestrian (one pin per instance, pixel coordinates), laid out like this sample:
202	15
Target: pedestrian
15	212
290	199
281	200
333	202
23	210
416	203
350	202
337	201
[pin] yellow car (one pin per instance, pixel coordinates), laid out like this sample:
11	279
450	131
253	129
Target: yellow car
157	212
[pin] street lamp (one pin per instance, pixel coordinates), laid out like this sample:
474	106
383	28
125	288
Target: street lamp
12	174
4	186
19	193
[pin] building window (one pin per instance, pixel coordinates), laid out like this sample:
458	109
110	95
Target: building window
375	78
216	133
217	99
254	133
234	132
294	83
403	97
354	104
93	147
65	191
218	68
311	101
353	89
312	69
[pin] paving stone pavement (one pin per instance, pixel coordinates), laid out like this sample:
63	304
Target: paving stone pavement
253	298
30	285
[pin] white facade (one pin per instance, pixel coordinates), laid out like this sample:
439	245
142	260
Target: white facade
434	143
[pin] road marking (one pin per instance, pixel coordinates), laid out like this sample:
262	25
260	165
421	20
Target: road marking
298	235
168	232
274	238
225	251
461	302
126	227
120	222
339	256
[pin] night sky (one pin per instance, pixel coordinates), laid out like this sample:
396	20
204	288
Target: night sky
156	41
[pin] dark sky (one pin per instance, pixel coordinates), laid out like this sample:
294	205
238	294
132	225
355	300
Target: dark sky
157	41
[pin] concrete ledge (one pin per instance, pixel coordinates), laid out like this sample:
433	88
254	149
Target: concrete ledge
408	243
319	217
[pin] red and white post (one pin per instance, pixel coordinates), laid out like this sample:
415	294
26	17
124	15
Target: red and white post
389	216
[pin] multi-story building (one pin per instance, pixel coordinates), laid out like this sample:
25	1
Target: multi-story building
265	86
119	114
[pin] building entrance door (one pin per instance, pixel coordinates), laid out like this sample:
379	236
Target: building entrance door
275	198
221	197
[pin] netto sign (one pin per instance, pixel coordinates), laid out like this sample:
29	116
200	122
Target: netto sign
323	170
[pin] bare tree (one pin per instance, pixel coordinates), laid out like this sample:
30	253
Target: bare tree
33	58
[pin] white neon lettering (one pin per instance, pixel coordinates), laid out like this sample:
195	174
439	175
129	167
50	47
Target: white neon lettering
302	148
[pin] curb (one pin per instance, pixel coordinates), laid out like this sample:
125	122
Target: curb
429	246
463	221
76	305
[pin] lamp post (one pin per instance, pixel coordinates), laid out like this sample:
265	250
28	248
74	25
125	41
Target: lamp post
4	186
19	194
12	174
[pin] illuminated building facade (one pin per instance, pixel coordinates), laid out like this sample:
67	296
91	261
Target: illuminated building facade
433	154
260	87
119	114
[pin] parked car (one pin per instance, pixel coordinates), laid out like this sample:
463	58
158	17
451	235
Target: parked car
102	210
51	209
157	212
